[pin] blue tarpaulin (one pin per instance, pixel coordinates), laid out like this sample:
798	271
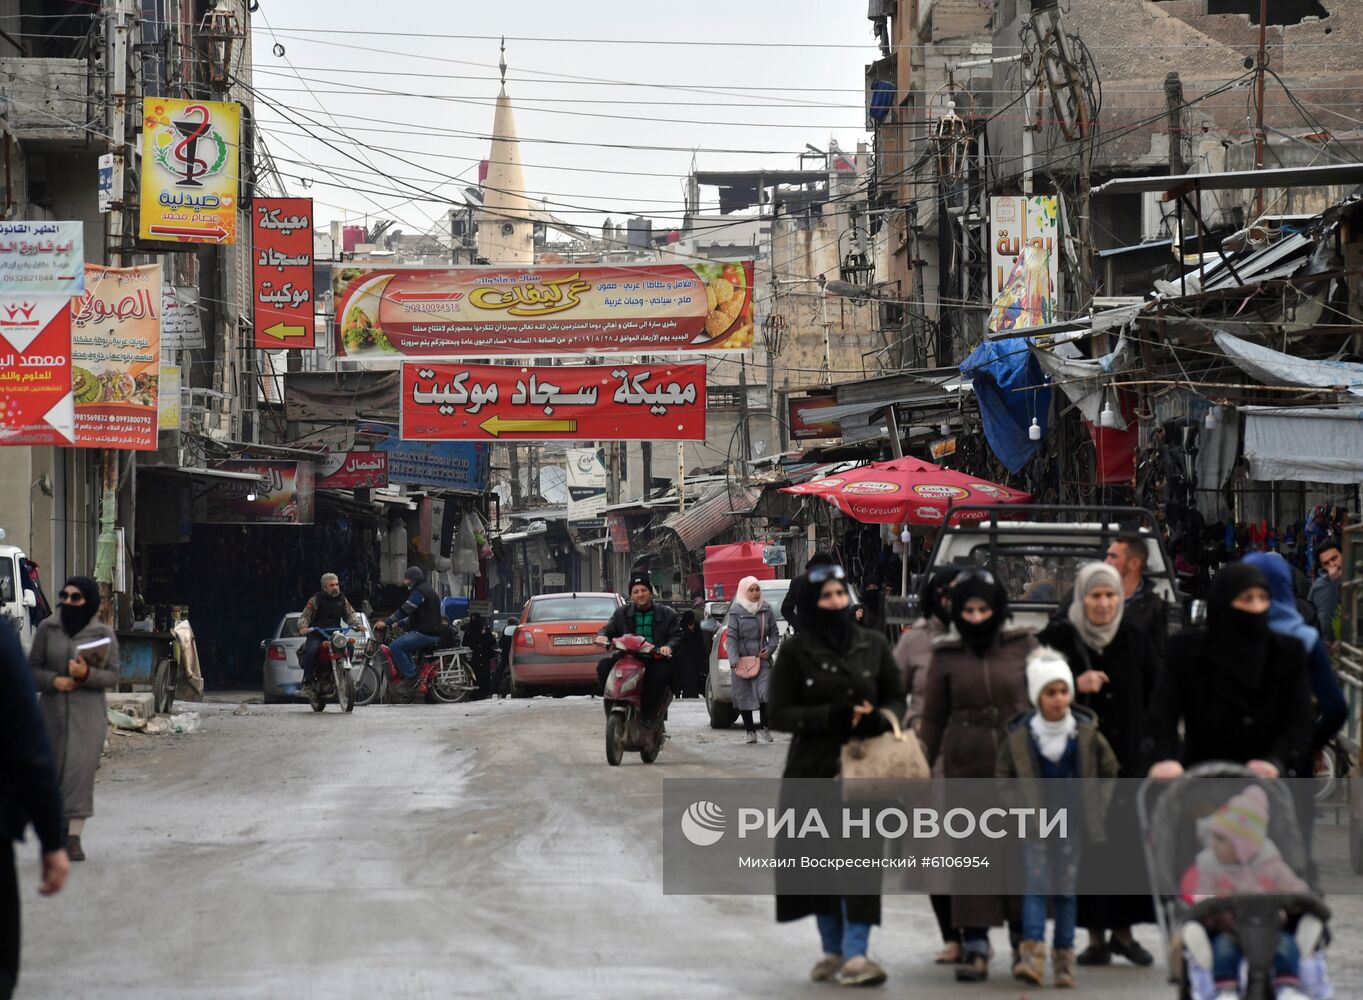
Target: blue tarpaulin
998	367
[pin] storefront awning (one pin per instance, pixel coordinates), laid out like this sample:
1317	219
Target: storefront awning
1306	444
713	514
1276	368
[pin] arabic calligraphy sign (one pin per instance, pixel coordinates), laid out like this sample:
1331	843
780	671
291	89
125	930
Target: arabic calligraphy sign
181	328
281	233
386	314
190	153
1016	222
353	470
35	371
42	258
456	402
284	494
116	357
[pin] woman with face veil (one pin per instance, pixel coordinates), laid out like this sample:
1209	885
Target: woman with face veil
72	684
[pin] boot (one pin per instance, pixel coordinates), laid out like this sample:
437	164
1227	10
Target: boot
1062	968
1031	964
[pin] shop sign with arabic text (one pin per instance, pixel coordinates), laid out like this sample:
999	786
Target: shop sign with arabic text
457	402
353	470
190	152
387	314
281	248
42	258
284	493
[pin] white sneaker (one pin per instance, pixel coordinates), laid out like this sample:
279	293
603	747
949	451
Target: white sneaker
1289	992
767	737
751	737
1228	994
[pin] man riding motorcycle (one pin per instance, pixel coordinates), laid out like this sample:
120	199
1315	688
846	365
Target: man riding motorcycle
325	609
657	623
422	608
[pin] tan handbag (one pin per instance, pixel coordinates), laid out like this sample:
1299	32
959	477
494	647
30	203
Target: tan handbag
748	667
892	756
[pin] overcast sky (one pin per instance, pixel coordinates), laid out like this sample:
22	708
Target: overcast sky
686	97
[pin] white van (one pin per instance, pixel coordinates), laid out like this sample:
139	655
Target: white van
15	599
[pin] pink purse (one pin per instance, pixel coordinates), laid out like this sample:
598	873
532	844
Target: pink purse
748	667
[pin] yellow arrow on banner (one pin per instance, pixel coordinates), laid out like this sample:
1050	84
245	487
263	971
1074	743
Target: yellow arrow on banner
496	426
281	331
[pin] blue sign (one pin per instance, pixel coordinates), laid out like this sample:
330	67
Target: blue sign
447	465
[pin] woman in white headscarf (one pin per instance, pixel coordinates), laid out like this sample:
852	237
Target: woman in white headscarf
1115	668
750	638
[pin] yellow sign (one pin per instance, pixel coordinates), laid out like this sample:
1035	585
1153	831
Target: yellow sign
190	156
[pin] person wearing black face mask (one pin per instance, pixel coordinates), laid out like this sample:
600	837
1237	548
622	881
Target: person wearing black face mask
1242	691
833	680
977	682
72	684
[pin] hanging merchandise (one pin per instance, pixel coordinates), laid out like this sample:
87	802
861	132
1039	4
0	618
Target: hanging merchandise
464	558
1012	392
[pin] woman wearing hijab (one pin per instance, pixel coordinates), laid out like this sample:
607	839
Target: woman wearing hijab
1115	669
1240	689
977	682
834	680
751	633
72	684
1284	619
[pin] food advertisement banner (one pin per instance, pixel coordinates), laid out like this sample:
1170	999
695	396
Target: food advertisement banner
450	465
1016	222
353	470
804	421
281	247
387	314
284	494
458	402
35	371
190	153
42	258
116	357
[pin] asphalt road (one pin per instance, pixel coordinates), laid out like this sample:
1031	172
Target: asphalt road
443	851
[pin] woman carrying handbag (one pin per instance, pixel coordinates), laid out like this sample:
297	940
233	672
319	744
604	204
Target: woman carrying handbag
751	639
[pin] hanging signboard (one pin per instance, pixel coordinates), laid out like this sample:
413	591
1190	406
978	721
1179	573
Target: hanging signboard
449	465
106	182
619	533
35	371
457	402
281	248
42	258
168	399
353	470
283	494
586	484
190	153
1016	222
181	327
116	357
387	314
805	424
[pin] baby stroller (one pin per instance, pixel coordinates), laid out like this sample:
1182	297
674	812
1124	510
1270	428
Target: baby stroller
1170	837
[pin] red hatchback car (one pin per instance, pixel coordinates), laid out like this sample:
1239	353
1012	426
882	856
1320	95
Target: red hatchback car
553	645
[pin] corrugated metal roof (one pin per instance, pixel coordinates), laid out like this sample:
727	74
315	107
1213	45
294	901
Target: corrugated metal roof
712	514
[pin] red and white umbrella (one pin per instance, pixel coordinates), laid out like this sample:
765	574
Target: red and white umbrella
906	491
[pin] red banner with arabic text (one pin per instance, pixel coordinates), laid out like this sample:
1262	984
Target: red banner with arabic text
456	402
281	248
35	371
353	470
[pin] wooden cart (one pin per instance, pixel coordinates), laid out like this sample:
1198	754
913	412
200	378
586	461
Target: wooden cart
150	659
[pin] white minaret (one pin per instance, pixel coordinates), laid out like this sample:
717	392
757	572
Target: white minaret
506	233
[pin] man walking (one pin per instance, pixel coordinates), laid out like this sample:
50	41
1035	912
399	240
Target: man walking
1129	555
422	609
28	794
1327	589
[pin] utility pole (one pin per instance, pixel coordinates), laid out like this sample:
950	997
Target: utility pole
745	443
1173	100
118	24
1259	137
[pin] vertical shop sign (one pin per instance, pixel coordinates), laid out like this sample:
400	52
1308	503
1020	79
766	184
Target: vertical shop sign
35	371
181	328
190	153
1016	222
281	231
168	398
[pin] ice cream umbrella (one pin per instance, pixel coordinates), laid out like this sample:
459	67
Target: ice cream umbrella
905	491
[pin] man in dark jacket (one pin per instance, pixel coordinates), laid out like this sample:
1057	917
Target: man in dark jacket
422	611
1130	555
28	794
790	607
325	610
657	623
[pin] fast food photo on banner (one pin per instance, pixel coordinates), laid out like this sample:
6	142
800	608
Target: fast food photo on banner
116	357
457	402
390	314
190	152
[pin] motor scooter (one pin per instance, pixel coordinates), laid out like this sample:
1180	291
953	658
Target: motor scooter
626	728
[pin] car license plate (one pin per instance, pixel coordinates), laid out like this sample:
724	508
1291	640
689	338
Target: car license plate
572	640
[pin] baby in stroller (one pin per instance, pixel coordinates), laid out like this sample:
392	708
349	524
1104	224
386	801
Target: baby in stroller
1245	896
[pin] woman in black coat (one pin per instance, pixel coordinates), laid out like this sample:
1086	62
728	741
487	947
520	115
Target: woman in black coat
832	680
1241	690
1115	667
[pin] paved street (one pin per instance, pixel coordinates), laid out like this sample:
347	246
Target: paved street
437	851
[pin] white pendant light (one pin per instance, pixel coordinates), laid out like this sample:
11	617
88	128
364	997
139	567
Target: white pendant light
1034	432
1210	421
1108	418
944	428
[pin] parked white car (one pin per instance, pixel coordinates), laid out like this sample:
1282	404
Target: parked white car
282	675
15	599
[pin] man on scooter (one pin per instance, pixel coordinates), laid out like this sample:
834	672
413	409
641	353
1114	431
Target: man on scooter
325	609
422	608
657	623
